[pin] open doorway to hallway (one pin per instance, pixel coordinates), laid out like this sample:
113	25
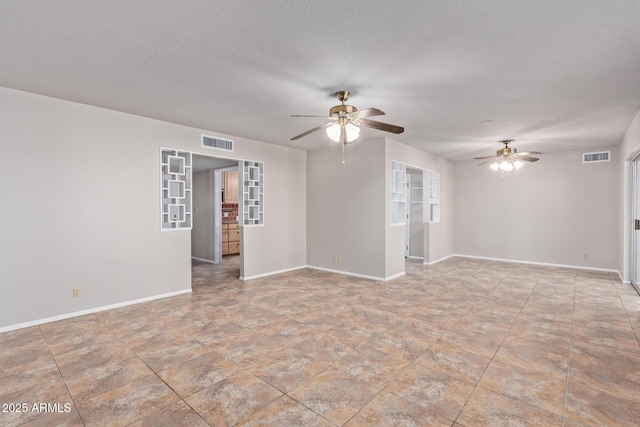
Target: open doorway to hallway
215	237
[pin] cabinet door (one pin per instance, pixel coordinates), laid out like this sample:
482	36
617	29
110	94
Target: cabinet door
234	235
234	248
231	187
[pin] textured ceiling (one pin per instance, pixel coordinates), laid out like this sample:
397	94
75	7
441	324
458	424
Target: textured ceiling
553	75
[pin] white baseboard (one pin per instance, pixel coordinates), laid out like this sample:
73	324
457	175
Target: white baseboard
90	311
438	260
626	282
415	257
205	260
271	273
362	276
547	264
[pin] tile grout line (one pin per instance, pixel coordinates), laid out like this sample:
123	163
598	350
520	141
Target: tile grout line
566	382
62	377
627	313
503	339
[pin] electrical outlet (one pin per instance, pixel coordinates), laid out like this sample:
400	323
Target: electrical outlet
585	256
338	259
76	292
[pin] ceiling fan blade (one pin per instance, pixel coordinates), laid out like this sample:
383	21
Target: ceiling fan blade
381	126
487	161
311	131
526	153
485	157
527	158
369	112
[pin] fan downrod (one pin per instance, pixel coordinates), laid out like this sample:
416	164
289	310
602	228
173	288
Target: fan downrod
506	151
342	95
342	109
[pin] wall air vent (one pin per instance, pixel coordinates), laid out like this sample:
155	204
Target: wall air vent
603	156
217	143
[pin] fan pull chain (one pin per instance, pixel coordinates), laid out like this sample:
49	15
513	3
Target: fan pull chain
343	144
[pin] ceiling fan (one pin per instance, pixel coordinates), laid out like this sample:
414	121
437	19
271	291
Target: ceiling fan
345	121
508	159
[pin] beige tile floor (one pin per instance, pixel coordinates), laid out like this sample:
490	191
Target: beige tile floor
461	343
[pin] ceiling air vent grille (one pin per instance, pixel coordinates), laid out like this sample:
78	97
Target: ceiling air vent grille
217	143
603	156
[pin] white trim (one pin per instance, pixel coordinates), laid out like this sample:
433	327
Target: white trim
415	257
394	276
329	270
271	273
548	264
205	260
622	278
438	260
346	273
91	311
362	276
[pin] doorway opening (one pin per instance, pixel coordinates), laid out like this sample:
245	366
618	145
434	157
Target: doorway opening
215	236
415	227
635	229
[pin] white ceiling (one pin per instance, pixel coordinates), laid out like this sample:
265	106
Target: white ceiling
553	75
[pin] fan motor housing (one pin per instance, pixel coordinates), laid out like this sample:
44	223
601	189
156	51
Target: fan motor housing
506	151
342	109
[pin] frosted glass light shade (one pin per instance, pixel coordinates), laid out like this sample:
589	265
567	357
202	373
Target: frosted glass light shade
495	166
333	132
506	166
353	132
517	164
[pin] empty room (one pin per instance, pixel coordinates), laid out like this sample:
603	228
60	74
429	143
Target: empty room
296	213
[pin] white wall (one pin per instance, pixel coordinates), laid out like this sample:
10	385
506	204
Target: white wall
628	149
553	211
441	234
346	208
80	199
202	240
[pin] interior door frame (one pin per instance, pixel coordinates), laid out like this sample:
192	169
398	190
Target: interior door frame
407	227
635	200
217	210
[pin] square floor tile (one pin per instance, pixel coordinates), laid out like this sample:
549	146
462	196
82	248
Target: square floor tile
233	399
486	408
334	394
285	412
387	409
287	368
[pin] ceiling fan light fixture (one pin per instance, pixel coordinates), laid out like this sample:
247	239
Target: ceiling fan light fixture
506	166
508	159
333	132
353	132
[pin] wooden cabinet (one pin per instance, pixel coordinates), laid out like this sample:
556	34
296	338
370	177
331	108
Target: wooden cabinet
230	238
230	187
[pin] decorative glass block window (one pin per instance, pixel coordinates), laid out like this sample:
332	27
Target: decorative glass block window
175	190
398	193
253	193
